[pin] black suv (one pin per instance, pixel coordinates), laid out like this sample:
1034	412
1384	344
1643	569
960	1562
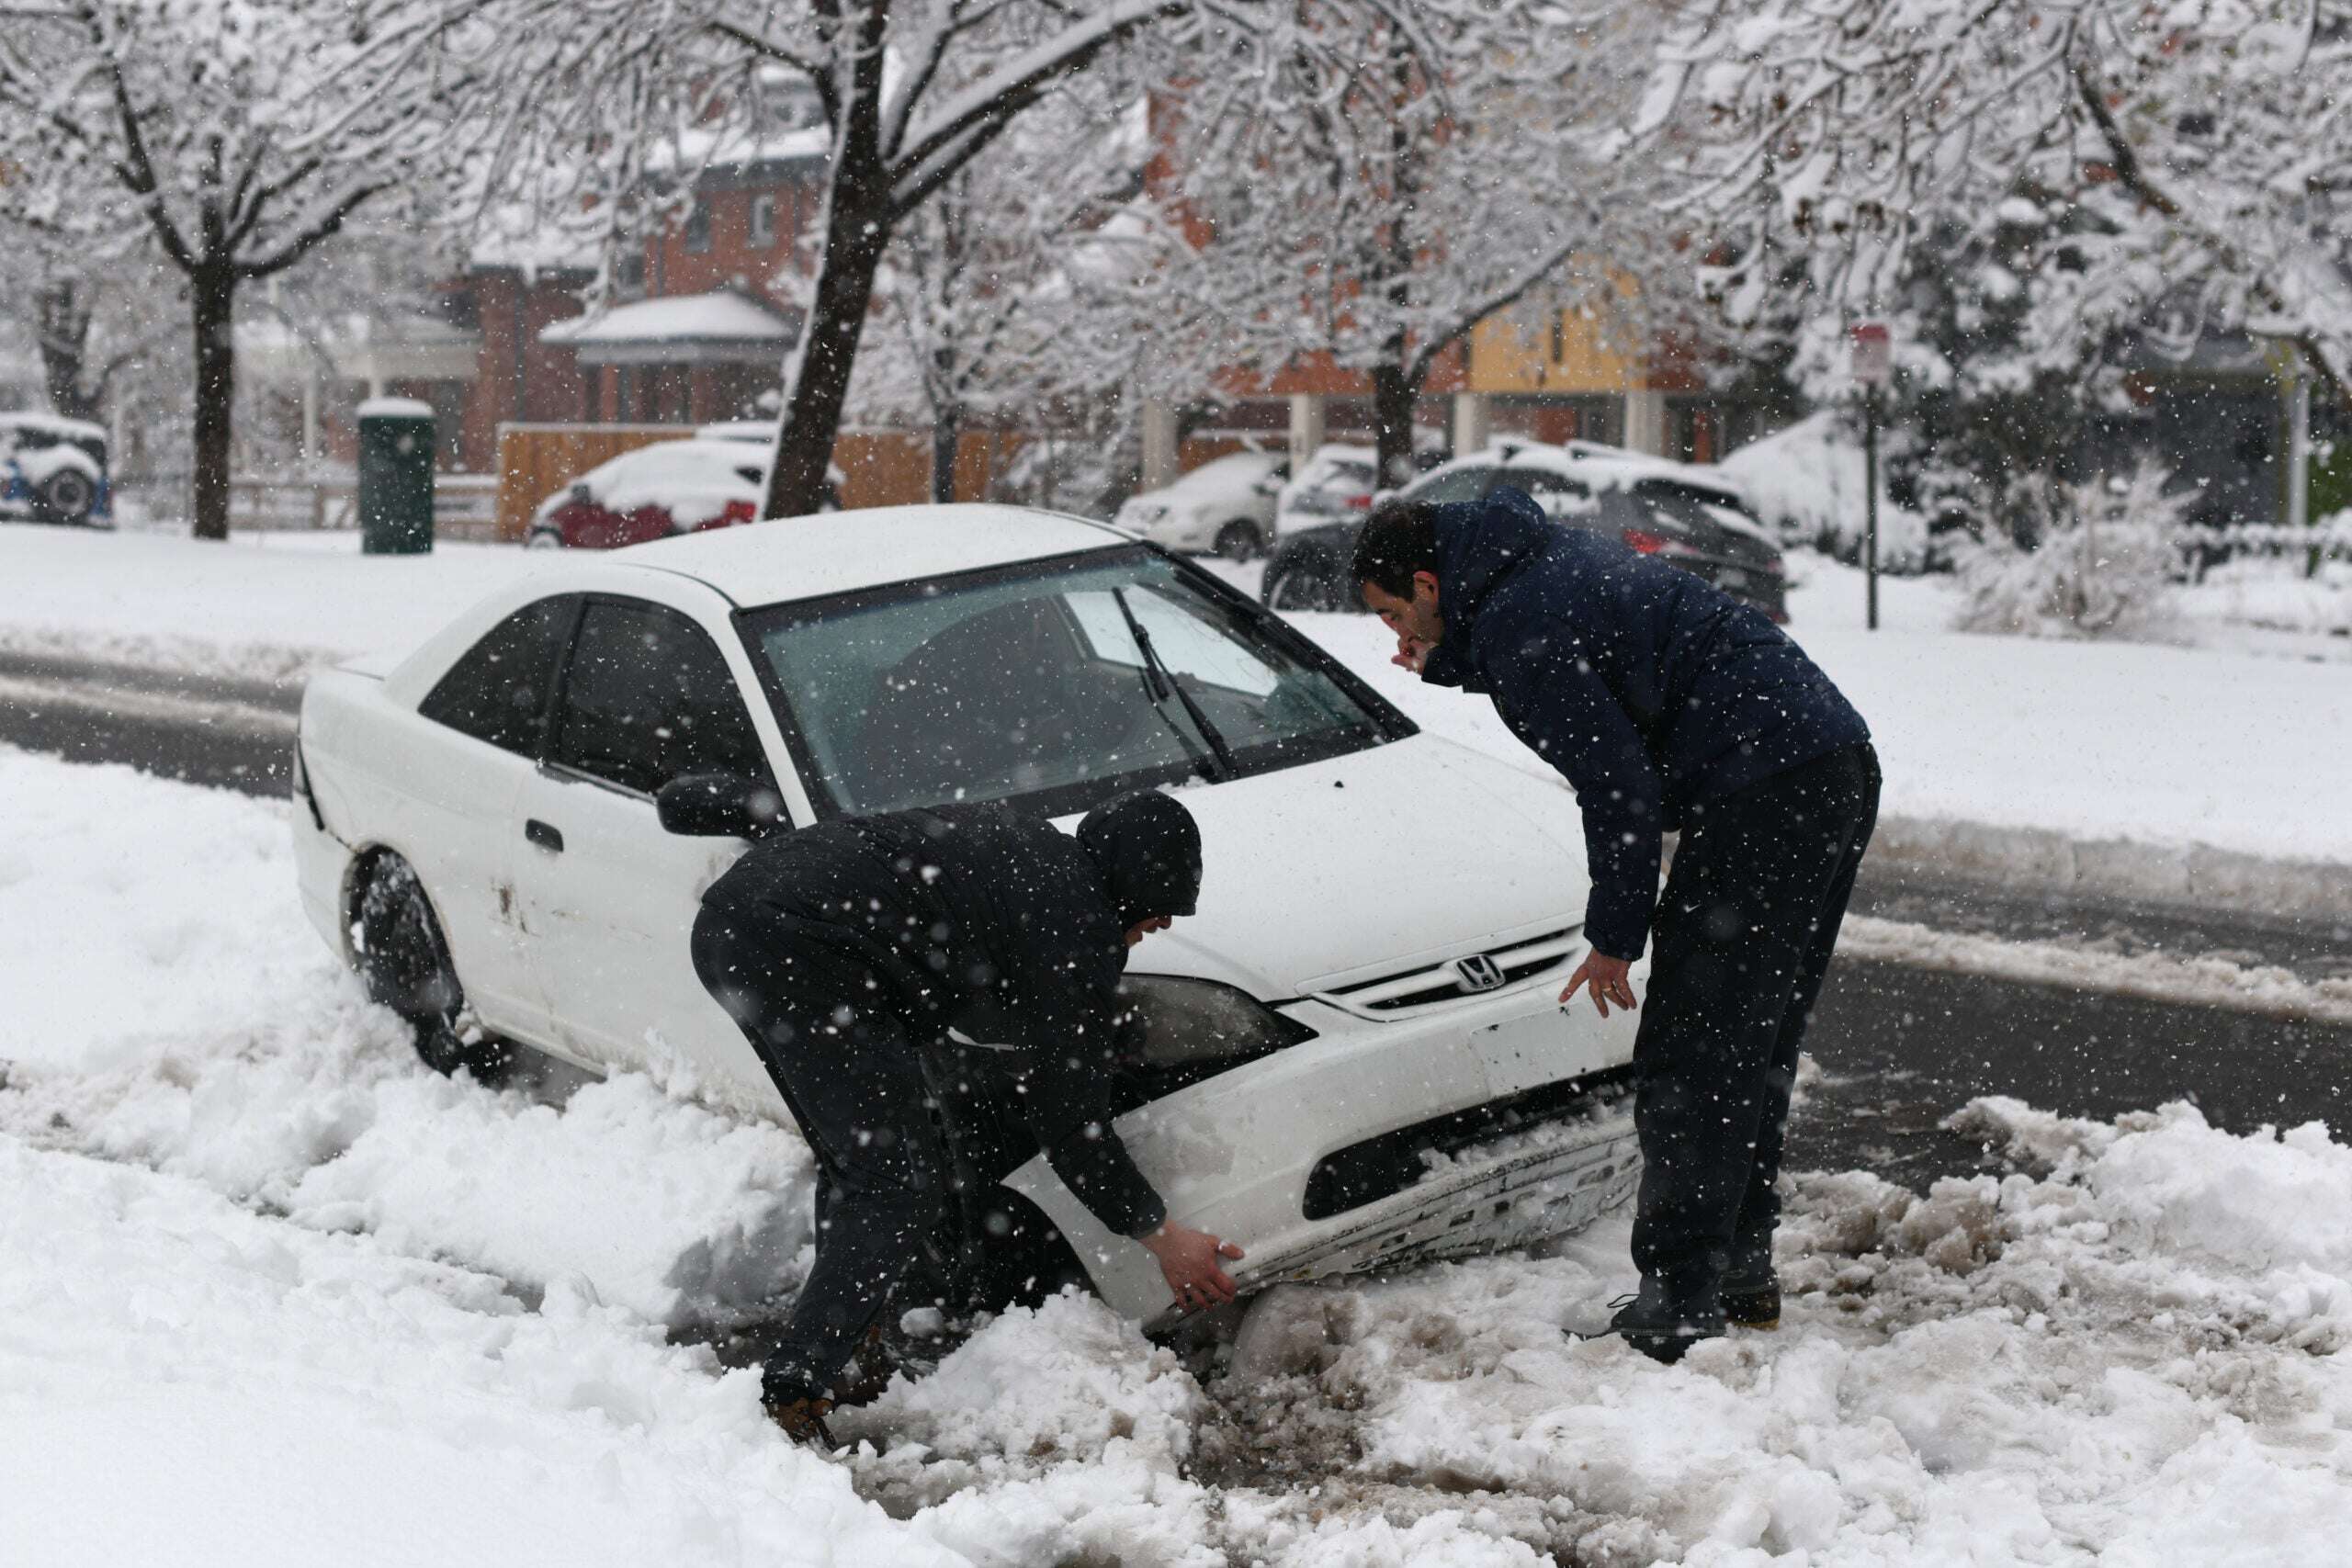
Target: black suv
1673	511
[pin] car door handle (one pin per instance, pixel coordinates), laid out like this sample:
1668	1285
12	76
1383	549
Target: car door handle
543	834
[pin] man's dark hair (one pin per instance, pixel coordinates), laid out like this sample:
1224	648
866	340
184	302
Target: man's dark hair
1398	539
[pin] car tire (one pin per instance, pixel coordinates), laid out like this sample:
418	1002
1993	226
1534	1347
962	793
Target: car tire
544	539
399	953
68	496
1239	540
1300	585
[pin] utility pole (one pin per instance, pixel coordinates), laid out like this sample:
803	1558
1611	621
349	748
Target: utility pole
1874	362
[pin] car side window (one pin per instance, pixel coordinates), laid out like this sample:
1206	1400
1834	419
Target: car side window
646	697
497	691
1461	484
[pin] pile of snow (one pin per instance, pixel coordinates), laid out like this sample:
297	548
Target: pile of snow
320	1303
1808	482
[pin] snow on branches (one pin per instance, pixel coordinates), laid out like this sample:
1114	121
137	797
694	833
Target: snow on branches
230	138
2195	147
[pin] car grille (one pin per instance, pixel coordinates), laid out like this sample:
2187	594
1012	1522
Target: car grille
1431	986
1382	1166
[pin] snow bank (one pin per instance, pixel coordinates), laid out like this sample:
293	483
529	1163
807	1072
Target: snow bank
185	1381
264	607
169	1005
319	1303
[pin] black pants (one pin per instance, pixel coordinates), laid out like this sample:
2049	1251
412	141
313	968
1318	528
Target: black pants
1743	936
838	1036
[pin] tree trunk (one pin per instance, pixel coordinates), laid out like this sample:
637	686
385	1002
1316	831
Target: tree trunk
214	291
63	315
947	434
857	234
1393	392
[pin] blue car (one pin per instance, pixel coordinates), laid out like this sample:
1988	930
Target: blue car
55	470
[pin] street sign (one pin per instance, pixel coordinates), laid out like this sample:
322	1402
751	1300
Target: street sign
1874	361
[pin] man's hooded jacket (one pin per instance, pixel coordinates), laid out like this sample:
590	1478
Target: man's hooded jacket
1008	927
1654	692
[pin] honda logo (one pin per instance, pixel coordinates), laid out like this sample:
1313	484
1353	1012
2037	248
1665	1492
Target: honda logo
1478	971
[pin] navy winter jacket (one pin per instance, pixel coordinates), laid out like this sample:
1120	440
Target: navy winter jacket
1652	690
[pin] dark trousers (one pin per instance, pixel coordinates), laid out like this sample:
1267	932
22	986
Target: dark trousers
1743	936
836	1036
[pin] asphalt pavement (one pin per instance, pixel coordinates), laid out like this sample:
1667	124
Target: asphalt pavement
1900	1048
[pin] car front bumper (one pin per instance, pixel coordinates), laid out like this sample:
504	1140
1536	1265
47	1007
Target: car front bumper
1234	1154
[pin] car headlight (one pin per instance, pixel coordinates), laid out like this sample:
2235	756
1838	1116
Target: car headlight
1169	1021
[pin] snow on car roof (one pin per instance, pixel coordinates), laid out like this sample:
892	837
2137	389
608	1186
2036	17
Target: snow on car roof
840	552
1226	472
51	424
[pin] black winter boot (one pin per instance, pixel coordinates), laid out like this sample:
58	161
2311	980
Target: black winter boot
1662	1327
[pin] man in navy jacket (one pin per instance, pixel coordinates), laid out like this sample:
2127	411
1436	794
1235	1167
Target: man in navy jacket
1670	706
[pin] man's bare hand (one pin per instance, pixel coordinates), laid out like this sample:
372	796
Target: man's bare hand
1411	653
1188	1261
1609	979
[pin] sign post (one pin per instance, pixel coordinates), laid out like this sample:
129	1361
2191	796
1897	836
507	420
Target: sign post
1873	365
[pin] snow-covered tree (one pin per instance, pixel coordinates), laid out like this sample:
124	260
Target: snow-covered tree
2184	157
1396	180
979	302
226	140
912	90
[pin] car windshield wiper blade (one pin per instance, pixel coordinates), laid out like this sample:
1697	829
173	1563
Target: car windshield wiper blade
1157	683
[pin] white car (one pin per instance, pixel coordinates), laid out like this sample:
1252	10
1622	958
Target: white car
1224	507
1337	484
1350	1056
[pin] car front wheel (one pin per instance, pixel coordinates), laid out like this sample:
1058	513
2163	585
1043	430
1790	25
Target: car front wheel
545	539
1300	585
405	963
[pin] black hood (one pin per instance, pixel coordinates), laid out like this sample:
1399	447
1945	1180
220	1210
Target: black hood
1149	850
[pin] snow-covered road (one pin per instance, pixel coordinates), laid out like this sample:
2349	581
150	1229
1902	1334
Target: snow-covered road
269	1292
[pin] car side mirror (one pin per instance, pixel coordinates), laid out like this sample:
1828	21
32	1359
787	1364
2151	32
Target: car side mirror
583	495
711	806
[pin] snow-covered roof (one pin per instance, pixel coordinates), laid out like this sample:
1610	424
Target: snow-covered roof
724	319
838	552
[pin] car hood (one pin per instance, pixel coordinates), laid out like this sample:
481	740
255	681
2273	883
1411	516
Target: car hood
1407	853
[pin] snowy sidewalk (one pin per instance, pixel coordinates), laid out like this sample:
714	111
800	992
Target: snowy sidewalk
2196	777
321	1304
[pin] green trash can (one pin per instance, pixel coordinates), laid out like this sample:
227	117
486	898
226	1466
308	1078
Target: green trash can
395	477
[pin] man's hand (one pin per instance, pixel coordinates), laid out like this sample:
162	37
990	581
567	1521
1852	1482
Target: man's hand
1188	1262
1411	652
1607	976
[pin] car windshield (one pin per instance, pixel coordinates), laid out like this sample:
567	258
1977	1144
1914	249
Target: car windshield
1028	683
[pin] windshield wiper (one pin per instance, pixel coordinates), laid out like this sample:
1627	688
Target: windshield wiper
1157	683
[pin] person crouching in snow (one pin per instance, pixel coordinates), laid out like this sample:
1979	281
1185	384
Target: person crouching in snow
1667	704
843	947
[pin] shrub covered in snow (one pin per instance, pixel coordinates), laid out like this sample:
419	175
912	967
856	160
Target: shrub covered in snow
2103	561
1807	481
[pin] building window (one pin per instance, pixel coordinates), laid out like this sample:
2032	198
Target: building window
698	229
763	221
628	271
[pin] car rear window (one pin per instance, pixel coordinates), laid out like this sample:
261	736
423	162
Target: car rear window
646	697
497	691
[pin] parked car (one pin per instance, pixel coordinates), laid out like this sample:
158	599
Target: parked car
55	470
1679	512
507	832
1224	507
1337	483
716	478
